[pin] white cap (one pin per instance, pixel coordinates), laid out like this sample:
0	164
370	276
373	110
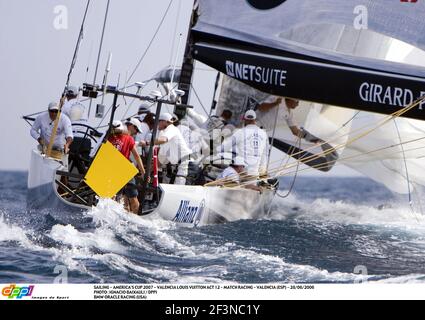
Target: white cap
165	117
71	90
116	124
174	118
250	115
53	106
135	122
238	161
144	108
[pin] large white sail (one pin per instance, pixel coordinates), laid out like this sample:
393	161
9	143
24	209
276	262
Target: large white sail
288	48
393	153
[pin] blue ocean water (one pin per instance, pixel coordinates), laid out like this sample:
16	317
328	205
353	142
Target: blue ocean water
328	230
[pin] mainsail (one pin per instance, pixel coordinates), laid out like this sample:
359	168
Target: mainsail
311	50
255	46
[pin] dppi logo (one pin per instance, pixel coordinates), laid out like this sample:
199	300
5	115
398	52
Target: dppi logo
17	292
265	4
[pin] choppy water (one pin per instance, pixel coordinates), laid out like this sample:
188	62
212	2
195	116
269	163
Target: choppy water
321	233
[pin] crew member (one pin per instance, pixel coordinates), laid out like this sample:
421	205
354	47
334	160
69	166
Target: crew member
143	111
174	149
43	127
125	144
213	122
73	108
284	112
252	144
231	175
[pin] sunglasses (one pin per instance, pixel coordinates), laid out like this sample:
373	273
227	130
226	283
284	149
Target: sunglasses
53	111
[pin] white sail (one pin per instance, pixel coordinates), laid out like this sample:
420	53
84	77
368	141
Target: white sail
401	167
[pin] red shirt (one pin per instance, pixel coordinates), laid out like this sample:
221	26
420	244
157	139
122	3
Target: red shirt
124	143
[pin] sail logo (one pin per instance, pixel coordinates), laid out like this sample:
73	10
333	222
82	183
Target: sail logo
263	75
13	291
230	69
394	96
265	4
189	214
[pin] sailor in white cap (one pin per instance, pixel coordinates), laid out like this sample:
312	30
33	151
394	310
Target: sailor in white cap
73	108
43	127
174	149
143	111
232	173
252	144
134	127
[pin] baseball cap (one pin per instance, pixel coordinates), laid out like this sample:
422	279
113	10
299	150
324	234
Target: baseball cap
250	115
53	106
165	117
144	108
135	122
238	161
71	90
116	124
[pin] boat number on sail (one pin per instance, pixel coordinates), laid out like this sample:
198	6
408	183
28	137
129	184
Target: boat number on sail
394	96
264	75
189	214
265	4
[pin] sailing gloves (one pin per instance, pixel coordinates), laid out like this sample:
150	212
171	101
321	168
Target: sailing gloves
307	136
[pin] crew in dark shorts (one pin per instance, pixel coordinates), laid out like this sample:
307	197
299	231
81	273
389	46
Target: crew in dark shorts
124	143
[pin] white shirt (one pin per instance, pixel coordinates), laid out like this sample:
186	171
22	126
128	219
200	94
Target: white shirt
74	109
175	149
267	119
251	143
194	140
43	127
230	174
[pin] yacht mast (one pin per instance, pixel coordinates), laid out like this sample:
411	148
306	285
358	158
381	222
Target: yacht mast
187	66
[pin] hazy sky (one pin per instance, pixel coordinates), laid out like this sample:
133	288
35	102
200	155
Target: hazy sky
35	56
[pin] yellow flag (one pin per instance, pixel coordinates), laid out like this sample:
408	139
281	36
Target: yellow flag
109	172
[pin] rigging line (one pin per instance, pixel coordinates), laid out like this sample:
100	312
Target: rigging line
406	169
175	28
405	162
150	43
100	50
319	166
272	142
88	62
77	47
295	176
199	100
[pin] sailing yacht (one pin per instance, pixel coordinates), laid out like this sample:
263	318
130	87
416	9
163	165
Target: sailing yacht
359	95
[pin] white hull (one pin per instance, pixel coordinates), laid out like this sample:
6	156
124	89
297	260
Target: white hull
186	205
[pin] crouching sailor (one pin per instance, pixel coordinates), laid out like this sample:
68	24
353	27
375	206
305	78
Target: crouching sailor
174	149
42	130
231	175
